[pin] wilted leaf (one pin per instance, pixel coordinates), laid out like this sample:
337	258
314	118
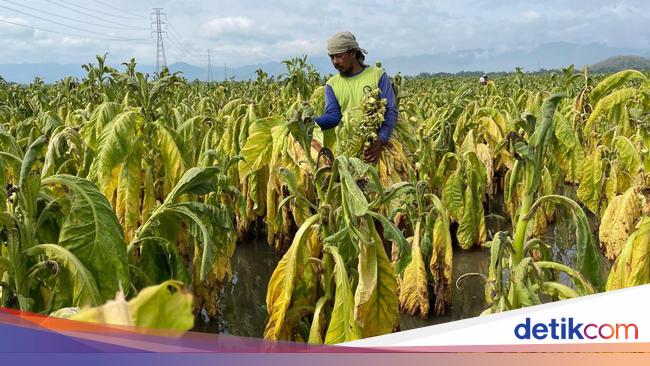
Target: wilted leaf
93	234
632	267
342	326
618	222
376	304
413	295
283	280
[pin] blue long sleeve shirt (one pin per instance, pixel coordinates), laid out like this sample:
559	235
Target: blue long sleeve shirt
332	116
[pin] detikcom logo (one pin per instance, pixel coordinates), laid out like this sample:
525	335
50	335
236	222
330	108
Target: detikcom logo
569	328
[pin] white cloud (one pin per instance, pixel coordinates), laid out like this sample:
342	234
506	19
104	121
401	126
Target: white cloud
530	15
76	42
249	31
298	46
9	28
237	24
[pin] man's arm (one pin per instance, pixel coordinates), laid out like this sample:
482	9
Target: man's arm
332	115
390	116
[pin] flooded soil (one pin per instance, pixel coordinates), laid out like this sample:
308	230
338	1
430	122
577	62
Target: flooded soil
243	301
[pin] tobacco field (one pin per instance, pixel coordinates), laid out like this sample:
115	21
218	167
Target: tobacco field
125	195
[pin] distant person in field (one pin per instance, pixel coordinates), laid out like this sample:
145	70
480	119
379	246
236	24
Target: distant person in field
484	79
345	91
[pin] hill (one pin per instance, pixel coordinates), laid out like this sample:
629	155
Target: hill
618	63
545	56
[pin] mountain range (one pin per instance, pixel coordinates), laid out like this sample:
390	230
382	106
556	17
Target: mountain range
545	56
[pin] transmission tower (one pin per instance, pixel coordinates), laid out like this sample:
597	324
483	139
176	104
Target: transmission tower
209	65
159	27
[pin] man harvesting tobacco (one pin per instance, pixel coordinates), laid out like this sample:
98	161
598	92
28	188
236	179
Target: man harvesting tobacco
364	92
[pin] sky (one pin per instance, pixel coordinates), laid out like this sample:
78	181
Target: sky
243	32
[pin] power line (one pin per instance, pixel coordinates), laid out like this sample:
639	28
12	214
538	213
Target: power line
183	54
179	38
65	25
121	10
69	18
179	56
171	38
55	2
173	29
175	38
66	34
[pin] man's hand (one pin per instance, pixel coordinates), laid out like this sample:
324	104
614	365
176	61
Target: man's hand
373	151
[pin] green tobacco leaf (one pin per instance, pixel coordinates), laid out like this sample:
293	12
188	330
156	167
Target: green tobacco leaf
588	261
542	134
159	260
338	236
257	151
67	140
607	85
167	306
32	153
93	234
471	228
342	326
74	280
354	197
173	153
564	131
115	144
498	246
290	180
393	192
202	232
469	223
609	103
48	122
393	233
453	196
521	284
101	116
628	154
582	286
196	180
317	324
632	267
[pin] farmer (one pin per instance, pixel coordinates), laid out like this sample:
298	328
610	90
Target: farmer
483	79
345	91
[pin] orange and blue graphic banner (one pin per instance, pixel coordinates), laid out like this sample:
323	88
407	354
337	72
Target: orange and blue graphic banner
599	329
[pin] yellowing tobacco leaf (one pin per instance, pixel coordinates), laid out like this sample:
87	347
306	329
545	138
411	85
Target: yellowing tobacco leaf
342	326
632	267
376	304
414	296
618	222
283	280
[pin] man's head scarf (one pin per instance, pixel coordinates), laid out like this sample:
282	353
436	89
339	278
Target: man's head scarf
343	42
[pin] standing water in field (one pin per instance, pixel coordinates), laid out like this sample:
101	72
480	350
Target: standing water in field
243	301
243	305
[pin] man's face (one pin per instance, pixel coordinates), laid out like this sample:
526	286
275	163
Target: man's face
343	62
